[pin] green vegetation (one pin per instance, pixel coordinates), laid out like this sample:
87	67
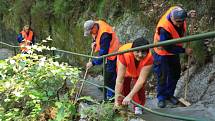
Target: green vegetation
101	112
29	83
104	112
31	86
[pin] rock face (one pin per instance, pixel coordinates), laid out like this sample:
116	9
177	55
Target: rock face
128	30
201	87
5	53
7	35
91	90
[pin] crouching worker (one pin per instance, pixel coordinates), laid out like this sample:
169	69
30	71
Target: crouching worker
25	38
132	67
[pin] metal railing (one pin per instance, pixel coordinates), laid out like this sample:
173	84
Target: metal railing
169	42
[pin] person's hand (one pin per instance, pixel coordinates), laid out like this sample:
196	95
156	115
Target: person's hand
191	14
117	107
93	45
89	65
116	104
126	100
188	51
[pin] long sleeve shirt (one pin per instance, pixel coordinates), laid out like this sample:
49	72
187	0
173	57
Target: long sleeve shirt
104	48
165	35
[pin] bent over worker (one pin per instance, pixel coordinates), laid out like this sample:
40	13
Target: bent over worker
167	66
25	38
132	67
105	42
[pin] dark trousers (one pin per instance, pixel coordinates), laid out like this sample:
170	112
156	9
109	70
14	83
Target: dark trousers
110	81
167	71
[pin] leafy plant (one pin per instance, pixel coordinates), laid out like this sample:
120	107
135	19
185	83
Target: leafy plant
29	83
99	112
200	52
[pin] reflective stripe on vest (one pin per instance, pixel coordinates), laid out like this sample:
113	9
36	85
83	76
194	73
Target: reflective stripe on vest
167	25
114	43
131	69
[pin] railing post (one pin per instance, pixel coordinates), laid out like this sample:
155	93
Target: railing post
53	54
14	48
104	83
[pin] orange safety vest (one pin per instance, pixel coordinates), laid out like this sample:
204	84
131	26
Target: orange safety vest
167	25
131	69
114	44
28	39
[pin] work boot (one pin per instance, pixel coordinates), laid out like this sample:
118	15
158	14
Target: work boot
162	104
173	100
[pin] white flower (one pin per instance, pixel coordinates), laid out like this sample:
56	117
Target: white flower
17	93
49	38
7	84
27	83
30	52
44	41
12	61
34	46
42	63
48	48
53	48
39	49
43	59
6	100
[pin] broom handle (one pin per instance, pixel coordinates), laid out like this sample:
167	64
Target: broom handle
188	60
85	75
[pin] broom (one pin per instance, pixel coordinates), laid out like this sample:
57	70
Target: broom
184	100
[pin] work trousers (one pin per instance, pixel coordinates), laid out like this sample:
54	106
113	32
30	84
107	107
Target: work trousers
110	81
139	97
167	71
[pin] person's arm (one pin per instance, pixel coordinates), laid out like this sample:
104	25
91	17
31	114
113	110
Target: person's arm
104	47
139	84
121	69
164	35
19	38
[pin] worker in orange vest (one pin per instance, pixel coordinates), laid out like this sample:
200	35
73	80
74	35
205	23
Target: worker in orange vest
167	66
132	67
25	38
105	41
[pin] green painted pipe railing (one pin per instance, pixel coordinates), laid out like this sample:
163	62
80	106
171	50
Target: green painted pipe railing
58	50
169	42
